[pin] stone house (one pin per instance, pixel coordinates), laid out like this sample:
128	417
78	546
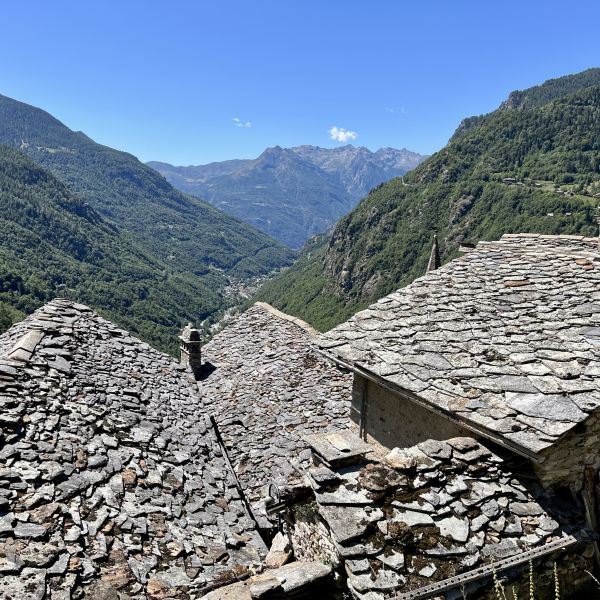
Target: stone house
114	479
501	344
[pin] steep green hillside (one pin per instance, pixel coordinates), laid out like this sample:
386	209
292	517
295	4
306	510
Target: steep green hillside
8	316
303	289
553	89
51	238
292	193
171	226
538	95
529	170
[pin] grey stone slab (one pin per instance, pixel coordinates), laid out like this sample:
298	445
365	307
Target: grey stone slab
344	496
412	518
338	446
391	559
30	584
455	528
525	508
347	522
300	574
552	407
400	459
30	531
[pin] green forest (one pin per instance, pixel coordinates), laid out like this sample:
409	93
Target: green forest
51	238
163	221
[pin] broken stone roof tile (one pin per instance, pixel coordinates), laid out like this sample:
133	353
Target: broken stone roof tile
299	579
112	475
517	319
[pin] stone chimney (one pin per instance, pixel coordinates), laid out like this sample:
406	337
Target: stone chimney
189	348
435	262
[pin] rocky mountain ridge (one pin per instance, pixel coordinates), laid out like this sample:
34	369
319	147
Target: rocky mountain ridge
292	193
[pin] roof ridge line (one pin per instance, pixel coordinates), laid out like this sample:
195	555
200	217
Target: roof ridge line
290	318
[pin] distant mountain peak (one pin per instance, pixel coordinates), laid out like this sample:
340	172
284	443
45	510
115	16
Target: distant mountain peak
292	193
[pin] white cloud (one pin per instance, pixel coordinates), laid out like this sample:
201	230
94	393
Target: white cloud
339	134
239	123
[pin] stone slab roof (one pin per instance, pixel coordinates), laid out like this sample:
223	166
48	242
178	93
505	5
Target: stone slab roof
431	512
269	387
506	338
111	475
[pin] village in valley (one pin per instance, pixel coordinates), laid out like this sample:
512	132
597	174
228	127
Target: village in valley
442	443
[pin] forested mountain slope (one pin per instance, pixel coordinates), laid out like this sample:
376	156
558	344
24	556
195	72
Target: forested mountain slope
162	256
535	169
292	193
189	233
50	239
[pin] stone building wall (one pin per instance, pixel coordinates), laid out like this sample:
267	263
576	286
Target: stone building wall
392	421
565	461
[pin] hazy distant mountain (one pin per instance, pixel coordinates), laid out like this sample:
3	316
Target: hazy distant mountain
359	169
292	193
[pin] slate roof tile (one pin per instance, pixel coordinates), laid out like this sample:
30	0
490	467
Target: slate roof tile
111	471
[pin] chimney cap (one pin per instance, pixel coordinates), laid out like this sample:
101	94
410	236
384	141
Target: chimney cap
190	334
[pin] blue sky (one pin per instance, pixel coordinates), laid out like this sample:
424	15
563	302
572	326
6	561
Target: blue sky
165	80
